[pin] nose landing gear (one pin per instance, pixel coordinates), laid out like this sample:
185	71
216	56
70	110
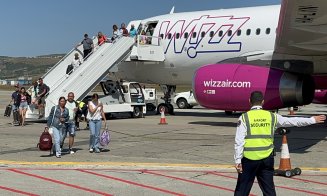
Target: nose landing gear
168	90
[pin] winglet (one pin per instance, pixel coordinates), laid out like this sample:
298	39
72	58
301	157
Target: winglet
172	10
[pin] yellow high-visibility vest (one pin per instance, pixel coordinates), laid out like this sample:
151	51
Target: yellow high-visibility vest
259	141
80	104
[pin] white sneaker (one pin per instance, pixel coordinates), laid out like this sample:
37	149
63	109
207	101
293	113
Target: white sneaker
71	151
91	150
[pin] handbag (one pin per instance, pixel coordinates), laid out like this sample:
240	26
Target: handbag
50	129
105	137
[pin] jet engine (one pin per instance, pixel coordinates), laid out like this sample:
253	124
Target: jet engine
228	87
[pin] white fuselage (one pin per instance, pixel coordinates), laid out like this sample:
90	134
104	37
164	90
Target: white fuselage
193	39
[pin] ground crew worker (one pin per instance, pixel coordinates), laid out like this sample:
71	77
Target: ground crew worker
81	111
254	145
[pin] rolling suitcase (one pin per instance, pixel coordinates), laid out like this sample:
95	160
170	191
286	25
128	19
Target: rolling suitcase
16	117
8	110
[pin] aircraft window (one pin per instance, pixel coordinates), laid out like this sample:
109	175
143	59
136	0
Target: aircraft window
161	35
203	34
229	32
169	36
248	32
185	35
220	34
267	31
212	33
239	32
258	31
177	35
194	35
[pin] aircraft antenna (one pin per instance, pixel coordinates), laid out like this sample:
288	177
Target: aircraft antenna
172	10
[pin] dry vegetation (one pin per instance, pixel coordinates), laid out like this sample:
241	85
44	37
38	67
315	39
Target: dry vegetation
13	67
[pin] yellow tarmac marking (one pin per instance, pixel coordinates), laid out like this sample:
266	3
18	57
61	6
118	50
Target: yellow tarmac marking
211	166
136	164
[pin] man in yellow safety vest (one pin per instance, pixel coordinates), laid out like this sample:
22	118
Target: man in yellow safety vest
254	145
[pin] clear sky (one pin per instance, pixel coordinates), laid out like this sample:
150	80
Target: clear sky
40	27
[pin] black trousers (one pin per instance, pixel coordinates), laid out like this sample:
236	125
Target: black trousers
263	170
86	52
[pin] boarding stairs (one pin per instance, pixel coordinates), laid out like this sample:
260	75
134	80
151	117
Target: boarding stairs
89	74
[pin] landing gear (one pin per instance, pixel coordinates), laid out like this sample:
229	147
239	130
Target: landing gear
168	90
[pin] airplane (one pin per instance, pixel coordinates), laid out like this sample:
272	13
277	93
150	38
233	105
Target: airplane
226	54
320	97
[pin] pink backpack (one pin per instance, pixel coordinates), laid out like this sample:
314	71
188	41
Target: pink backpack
105	137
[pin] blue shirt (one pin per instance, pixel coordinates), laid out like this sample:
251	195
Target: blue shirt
14	96
132	32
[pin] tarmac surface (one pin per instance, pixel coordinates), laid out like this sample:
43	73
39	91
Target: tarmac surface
192	155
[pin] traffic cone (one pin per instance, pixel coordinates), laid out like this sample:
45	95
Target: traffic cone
285	161
163	118
291	110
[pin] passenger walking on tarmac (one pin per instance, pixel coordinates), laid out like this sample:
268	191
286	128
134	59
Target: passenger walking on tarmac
132	31
34	92
87	46
24	100
115	33
123	31
94	116
70	127
15	100
101	38
42	91
58	116
254	145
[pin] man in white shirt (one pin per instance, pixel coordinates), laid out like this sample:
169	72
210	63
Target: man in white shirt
70	127
254	145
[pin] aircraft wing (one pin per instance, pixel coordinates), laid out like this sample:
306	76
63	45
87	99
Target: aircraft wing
302	28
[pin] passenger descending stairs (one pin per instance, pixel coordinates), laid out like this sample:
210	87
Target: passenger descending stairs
54	76
89	74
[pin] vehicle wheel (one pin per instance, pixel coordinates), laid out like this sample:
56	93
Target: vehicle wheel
170	109
182	103
297	171
150	107
276	173
288	173
108	115
228	112
162	106
137	113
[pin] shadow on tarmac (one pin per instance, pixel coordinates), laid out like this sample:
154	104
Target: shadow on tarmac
215	114
219	124
301	139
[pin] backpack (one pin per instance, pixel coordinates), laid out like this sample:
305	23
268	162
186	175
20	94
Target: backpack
69	69
45	143
47	89
105	137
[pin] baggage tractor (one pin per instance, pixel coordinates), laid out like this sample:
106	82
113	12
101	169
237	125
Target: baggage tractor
8	110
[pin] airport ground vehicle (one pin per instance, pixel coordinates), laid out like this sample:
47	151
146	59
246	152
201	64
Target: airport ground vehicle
122	97
150	98
185	100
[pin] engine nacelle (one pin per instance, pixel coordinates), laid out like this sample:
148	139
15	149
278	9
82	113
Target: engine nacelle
320	97
228	87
